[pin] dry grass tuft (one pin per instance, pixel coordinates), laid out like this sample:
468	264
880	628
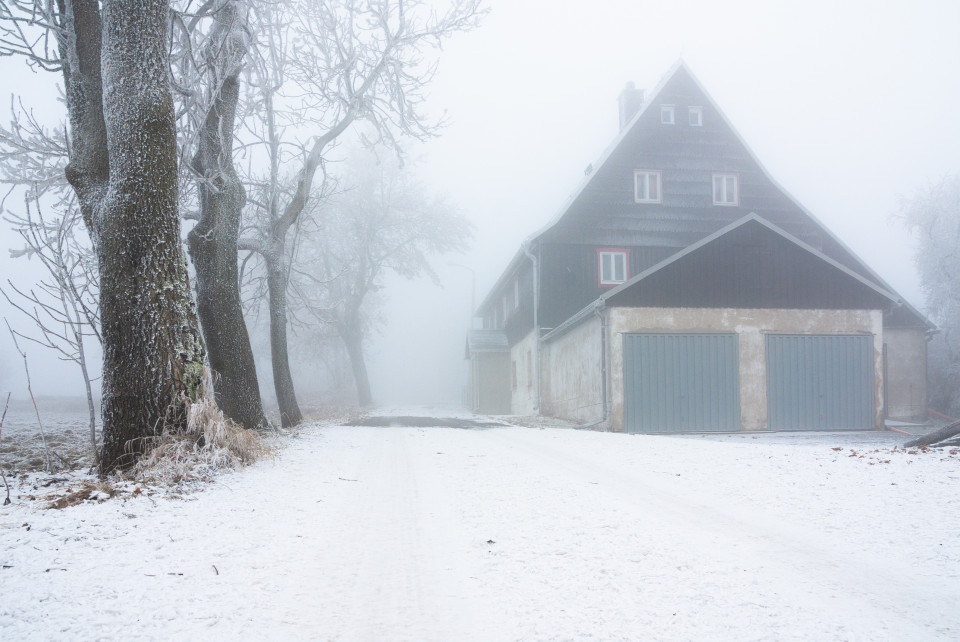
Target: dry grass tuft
97	491
211	443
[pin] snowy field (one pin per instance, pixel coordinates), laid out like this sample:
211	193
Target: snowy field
432	533
66	424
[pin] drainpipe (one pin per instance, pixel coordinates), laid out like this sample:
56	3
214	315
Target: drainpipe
536	324
598	310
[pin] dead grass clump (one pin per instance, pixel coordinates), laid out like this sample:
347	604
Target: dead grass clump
97	491
210	443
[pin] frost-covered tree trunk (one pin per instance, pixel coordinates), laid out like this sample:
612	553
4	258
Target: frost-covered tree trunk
123	167
213	242
277	277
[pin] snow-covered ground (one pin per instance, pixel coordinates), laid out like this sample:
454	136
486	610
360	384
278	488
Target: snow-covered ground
431	533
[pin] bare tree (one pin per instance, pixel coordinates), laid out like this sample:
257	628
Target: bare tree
933	216
213	241
324	66
6	404
205	60
48	464
123	168
384	221
34	156
63	306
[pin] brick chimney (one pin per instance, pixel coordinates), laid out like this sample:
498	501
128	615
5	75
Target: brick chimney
631	100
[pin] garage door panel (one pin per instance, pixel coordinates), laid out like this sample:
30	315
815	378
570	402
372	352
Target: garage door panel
820	382
681	382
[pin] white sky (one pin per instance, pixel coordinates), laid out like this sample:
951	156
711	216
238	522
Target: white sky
848	105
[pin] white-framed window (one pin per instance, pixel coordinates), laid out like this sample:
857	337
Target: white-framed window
646	186
612	266
696	116
667	114
516	293
726	189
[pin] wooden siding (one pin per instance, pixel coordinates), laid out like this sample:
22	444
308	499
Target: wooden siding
569	279
519	322
688	157
751	267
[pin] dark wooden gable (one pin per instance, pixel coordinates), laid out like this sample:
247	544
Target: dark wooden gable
605	212
751	266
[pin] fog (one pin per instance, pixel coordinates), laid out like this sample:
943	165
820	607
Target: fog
849	106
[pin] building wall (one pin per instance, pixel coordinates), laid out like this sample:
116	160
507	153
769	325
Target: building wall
571	374
523	372
751	326
906	373
570	276
490	373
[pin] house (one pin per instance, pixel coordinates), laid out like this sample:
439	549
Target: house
680	288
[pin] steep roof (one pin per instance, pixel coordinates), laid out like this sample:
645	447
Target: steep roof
602	204
687	158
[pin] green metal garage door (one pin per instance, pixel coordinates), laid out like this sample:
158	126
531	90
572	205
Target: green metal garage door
820	382
681	383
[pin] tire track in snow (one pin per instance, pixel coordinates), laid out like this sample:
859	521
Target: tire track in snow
390	561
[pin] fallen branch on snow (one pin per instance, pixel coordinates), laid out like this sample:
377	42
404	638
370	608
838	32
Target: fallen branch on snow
930	438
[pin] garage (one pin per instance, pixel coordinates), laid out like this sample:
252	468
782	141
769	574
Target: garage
681	383
820	382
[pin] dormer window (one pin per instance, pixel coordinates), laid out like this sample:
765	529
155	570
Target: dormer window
667	114
696	116
646	186
726	189
612	267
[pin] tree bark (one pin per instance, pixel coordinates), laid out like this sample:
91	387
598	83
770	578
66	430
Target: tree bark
213	242
353	340
126	181
275	260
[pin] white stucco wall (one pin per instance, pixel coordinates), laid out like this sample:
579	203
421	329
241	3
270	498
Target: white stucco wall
906	373
751	326
571	374
523	357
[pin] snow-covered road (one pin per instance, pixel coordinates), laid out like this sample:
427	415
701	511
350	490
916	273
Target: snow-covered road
360	533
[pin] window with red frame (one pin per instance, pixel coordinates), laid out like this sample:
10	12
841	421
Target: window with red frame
613	266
